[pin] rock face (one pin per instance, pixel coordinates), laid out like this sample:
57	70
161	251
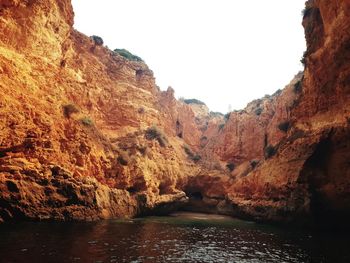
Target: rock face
246	134
307	176
86	134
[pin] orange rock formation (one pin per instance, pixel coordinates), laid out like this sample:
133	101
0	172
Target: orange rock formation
86	134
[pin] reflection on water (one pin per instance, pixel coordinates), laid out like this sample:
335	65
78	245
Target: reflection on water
184	238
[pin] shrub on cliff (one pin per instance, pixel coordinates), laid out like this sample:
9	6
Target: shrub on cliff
298	87
258	111
127	54
215	114
284	126
97	40
86	121
307	10
123	159
144	150
194	157
304	58
194	101
276	93
154	133
69	109
188	151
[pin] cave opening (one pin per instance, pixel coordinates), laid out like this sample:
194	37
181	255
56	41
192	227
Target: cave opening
195	195
315	174
164	189
196	202
131	190
137	187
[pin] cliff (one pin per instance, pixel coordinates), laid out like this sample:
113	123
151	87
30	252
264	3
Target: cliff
306	177
86	134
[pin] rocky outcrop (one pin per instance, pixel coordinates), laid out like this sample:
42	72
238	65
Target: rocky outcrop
86	134
287	153
248	134
307	177
28	191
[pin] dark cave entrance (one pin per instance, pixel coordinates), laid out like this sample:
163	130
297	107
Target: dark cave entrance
198	202
323	173
315	175
195	195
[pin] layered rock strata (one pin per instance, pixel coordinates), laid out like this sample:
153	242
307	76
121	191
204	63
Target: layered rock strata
86	134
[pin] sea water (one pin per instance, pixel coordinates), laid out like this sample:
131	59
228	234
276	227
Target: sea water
182	237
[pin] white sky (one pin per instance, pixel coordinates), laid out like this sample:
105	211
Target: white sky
219	51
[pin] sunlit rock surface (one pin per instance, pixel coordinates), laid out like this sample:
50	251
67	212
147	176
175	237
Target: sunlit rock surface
86	134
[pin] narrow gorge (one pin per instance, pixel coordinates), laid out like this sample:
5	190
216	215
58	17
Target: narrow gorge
86	134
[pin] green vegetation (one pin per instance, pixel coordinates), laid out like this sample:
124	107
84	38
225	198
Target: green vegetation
227	116
277	92
284	126
122	161
298	87
194	101
196	158
69	109
258	111
188	151
123	158
303	59
215	114
127	54
86	121
154	133
144	150
230	166
221	126
97	40
191	155
307	10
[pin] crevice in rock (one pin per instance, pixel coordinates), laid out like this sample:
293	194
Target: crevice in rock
138	74
195	195
179	129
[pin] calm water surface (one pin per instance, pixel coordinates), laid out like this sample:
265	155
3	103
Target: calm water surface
184	238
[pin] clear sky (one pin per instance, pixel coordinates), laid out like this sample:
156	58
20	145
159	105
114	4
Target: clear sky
223	52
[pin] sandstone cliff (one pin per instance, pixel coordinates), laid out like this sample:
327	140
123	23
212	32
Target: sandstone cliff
307	178
85	133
